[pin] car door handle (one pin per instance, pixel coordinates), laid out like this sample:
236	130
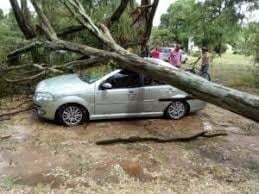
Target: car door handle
171	90
132	93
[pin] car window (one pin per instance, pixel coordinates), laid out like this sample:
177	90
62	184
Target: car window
125	79
151	82
90	75
165	50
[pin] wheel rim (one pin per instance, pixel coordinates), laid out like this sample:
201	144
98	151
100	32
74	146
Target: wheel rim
176	110
72	115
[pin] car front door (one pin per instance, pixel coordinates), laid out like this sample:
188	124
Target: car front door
121	100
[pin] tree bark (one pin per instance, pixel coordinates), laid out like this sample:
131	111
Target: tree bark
29	47
119	11
23	18
149	25
24	25
143	18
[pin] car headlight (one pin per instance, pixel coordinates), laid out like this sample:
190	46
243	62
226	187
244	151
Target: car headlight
44	96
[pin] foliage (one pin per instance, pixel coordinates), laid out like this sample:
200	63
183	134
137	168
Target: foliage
248	41
162	36
208	23
10	36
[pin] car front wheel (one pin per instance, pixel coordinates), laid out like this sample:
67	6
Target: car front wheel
71	115
177	110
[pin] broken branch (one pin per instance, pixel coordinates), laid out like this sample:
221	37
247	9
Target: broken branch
5	137
30	78
16	112
23	49
206	134
5	119
84	63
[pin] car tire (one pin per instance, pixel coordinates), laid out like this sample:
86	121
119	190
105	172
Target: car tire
71	115
176	110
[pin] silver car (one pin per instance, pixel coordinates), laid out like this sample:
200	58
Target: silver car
72	99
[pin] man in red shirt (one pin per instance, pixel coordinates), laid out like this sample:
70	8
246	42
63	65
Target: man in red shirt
155	53
175	57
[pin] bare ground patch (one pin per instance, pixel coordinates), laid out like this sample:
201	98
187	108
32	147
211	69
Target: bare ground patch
41	156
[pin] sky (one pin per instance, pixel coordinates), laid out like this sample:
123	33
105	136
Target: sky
162	8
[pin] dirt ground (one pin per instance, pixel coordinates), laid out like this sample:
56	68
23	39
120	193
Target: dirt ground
38	156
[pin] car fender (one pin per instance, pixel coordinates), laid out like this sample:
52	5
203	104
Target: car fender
73	99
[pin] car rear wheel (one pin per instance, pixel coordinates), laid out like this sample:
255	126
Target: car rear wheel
177	110
71	115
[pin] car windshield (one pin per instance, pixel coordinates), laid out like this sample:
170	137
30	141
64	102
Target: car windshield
91	75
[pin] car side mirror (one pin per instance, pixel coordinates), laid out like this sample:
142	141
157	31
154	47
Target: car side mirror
106	86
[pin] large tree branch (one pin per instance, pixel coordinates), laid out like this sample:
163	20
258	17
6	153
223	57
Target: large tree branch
118	12
23	49
150	23
5	70
24	24
77	10
29	47
25	79
84	63
45	24
70	30
233	100
66	31
23	19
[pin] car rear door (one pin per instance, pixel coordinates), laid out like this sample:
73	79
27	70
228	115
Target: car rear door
123	98
157	95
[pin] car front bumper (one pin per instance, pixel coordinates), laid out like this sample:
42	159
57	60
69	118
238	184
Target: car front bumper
45	109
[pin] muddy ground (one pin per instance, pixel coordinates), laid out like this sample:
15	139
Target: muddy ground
38	156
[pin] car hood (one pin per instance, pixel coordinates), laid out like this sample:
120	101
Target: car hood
65	84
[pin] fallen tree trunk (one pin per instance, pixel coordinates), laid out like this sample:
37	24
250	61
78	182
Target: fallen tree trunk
236	101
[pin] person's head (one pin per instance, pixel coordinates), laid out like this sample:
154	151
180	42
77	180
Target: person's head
177	47
204	49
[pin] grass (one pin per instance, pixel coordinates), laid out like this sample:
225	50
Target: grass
237	71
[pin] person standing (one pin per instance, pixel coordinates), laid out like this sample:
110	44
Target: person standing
205	60
175	57
155	53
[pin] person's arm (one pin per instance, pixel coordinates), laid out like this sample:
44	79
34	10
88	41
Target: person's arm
197	60
169	58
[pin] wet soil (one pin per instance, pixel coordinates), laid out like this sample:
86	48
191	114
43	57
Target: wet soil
40	156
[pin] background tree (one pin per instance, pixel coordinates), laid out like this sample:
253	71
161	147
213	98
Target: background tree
208	23
162	36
